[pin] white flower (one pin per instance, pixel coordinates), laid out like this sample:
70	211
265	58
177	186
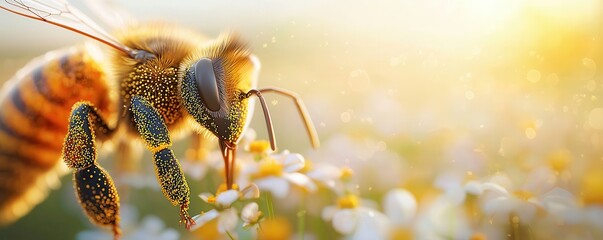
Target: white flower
222	201
358	222
442	219
251	215
276	172
151	227
400	206
501	198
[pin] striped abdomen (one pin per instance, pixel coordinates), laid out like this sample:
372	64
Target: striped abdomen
34	113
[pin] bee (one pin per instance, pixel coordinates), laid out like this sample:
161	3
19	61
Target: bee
146	82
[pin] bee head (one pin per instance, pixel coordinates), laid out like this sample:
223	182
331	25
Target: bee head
215	85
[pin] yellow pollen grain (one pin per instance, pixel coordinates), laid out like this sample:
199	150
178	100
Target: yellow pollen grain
348	201
259	146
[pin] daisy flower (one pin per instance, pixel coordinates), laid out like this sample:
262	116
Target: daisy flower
251	215
349	218
222	201
150	227
276	172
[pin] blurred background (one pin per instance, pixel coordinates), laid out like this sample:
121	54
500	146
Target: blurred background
404	93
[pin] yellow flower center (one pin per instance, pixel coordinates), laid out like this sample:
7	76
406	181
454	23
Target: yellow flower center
523	194
346	174
592	187
348	201
259	146
222	188
211	199
307	166
269	167
560	160
478	236
401	234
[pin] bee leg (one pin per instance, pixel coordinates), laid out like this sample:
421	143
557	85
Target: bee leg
94	187
154	132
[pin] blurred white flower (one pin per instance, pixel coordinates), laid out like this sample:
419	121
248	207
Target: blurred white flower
501	198
276	172
251	215
355	221
372	162
400	206
442	219
150	227
454	188
195	169
222	201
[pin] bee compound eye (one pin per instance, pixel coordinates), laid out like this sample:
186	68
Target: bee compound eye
207	84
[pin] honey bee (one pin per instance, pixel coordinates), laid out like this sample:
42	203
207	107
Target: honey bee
147	82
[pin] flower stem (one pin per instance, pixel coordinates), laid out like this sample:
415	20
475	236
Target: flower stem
229	236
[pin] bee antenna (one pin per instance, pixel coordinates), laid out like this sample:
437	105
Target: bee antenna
266	116
301	108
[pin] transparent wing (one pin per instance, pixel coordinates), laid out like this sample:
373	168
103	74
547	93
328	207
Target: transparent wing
61	13
111	13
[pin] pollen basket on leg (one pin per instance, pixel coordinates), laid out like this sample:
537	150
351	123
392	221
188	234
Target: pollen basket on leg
171	177
79	150
97	195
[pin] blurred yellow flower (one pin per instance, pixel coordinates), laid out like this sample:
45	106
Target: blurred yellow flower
592	187
275	229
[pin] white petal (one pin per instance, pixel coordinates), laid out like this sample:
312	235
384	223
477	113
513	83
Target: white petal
226	198
250	192
501	205
152	224
227	220
344	221
562	203
400	206
301	180
328	212
249	213
495	188
293	162
540	180
473	187
169	234
594	215
371	224
204	218
205	196
324	173
279	187
195	169
502	180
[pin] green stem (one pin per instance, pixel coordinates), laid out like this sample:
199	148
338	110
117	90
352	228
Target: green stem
229	236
